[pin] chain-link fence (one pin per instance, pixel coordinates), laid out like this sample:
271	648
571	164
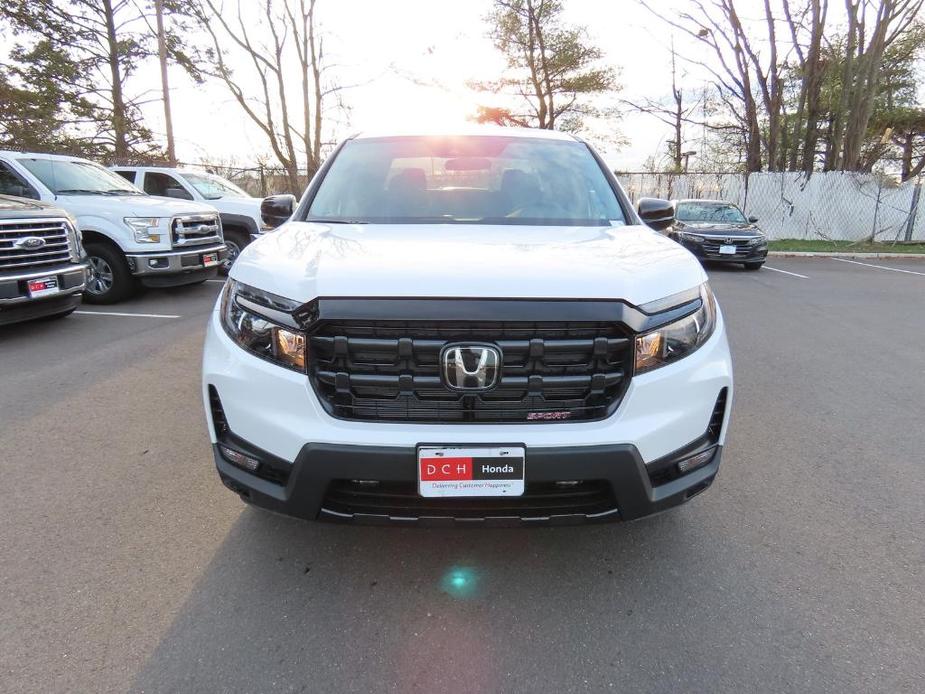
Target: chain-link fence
259	180
835	206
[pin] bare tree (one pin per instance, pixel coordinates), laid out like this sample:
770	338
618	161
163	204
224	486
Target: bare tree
861	69
676	114
282	34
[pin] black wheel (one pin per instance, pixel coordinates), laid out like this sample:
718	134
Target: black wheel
110	280
235	241
754	266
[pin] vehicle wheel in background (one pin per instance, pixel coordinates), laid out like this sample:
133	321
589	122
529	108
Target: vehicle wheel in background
754	266
235	241
110	280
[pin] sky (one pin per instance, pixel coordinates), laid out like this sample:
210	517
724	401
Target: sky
410	61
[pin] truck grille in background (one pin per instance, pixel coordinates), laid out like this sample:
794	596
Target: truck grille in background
54	249
390	371
192	230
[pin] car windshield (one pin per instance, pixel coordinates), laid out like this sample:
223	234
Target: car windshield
69	177
722	212
213	187
474	180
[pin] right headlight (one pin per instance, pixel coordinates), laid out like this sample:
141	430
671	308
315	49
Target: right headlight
145	229
676	340
687	236
262	324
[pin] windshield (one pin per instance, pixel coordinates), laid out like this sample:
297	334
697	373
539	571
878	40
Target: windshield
64	177
722	212
213	187
475	180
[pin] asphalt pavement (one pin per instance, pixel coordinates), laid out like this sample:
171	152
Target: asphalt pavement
127	566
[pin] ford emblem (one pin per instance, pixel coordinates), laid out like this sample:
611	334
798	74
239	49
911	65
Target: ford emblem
29	243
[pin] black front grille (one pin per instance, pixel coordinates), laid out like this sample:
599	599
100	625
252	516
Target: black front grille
401	499
743	246
390	371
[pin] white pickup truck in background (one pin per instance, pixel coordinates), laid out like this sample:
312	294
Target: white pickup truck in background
130	238
239	211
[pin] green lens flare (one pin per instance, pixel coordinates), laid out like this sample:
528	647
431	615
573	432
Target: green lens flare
460	582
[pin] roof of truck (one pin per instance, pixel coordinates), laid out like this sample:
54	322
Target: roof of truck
469	130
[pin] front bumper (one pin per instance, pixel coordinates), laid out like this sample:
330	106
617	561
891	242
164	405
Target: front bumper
745	254
274	414
173	268
342	483
16	305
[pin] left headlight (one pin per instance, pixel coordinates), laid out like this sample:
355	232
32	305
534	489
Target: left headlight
145	229
262	324
678	339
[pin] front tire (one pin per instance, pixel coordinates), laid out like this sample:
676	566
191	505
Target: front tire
754	266
110	280
235	241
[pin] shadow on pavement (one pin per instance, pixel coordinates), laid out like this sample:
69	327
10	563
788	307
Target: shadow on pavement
292	606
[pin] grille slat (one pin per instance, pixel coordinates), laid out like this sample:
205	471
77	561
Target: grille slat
54	251
390	371
402	499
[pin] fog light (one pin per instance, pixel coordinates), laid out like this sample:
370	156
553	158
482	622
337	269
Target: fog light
237	458
696	461
157	262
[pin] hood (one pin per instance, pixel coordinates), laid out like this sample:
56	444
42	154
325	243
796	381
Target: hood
302	261
725	228
23	208
243	206
131	205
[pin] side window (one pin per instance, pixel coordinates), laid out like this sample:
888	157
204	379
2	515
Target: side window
165	186
127	175
12	184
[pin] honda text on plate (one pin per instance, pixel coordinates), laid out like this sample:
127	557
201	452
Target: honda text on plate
467	328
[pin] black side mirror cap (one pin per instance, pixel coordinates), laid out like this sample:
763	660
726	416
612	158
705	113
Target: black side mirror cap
752	220
277	209
656	213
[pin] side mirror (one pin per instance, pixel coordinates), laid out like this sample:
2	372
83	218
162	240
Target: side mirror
656	213
753	220
178	193
277	209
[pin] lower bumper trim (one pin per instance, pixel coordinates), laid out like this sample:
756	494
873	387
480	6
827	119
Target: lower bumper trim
318	468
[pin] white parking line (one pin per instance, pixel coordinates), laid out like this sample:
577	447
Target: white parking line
219	281
127	315
879	267
795	274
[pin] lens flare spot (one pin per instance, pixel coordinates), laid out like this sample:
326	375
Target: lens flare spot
460	582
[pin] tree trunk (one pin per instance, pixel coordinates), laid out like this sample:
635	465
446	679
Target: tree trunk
119	124
165	88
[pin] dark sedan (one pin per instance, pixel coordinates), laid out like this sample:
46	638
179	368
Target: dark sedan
719	232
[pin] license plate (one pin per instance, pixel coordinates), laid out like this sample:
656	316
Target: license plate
43	286
727	250
210	260
470	471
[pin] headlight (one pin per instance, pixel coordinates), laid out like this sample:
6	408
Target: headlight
262	324
145	229
687	236
679	339
758	241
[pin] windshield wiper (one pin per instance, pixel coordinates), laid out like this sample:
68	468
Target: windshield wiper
78	191
121	191
325	220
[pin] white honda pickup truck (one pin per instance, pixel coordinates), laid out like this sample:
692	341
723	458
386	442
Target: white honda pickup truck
467	328
130	238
